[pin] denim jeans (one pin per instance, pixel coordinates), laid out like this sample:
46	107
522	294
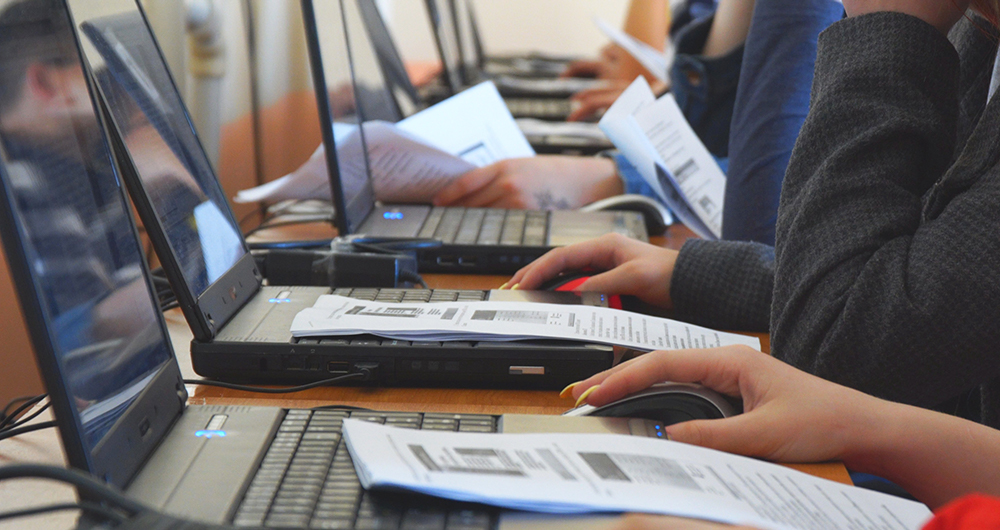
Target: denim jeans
771	104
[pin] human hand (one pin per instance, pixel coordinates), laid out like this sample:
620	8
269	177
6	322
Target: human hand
938	13
536	183
662	522
789	415
627	267
588	103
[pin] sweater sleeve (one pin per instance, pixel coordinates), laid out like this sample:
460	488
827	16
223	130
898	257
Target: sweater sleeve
724	284
871	291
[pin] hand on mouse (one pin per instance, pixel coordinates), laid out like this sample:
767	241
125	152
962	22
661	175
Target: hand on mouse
537	183
776	398
791	416
632	268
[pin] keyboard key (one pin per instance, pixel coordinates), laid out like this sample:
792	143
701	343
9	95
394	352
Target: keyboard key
424	519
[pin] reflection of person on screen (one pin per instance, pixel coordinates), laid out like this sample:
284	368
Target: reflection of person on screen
69	204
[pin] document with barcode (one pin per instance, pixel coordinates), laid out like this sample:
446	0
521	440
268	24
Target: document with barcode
334	315
583	473
655	137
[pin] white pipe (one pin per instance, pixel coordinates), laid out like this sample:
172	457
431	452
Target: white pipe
207	65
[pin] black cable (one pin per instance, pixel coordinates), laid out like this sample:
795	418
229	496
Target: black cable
82	506
11	403
33	415
10	418
87	485
10	433
363	374
413	278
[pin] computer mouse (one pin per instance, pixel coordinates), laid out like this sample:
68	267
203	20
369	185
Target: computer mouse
566	281
667	403
657	217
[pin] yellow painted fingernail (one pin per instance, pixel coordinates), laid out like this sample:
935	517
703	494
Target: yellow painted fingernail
583	397
514	288
504	286
568	391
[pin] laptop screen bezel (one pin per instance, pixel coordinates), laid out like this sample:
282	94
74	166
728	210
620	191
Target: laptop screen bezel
345	225
208	311
391	62
450	72
137	432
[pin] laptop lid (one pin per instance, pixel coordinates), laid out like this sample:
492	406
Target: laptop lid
339	113
74	252
374	93
172	183
405	94
446	42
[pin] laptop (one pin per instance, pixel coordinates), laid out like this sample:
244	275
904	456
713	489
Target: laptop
108	365
460	72
406	100
241	327
536	65
479	240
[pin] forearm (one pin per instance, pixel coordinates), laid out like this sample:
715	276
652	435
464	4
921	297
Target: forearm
648	21
730	27
935	457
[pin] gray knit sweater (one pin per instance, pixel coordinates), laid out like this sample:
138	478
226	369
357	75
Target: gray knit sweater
886	272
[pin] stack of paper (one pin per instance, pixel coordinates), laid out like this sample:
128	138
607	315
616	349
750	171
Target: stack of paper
504	321
410	161
583	473
656	138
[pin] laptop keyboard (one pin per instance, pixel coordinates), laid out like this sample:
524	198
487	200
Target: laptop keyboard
539	108
412	295
486	226
307	479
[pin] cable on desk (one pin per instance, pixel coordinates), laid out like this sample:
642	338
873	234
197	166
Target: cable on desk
364	374
89	507
87	485
12	417
10	433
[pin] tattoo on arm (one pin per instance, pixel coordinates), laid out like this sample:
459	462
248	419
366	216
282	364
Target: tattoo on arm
546	201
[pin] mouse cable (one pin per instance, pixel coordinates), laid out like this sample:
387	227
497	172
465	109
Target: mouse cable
364	374
10	417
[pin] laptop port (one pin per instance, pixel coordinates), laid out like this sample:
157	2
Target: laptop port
450	261
467	261
338	367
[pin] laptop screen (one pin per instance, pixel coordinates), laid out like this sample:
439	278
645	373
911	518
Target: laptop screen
67	229
331	62
375	99
156	130
447	41
402	88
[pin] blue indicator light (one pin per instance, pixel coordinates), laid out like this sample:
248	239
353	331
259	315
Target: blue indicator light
210	434
280	301
396	216
660	434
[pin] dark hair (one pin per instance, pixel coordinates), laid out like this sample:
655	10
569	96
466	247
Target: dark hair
31	31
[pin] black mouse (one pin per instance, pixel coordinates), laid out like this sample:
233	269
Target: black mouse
667	403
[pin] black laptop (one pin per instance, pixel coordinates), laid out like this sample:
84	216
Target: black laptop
103	349
241	327
482	240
